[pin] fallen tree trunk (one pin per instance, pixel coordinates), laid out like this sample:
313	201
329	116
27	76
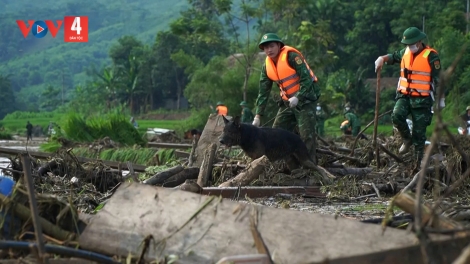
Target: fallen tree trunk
252	172
162	176
179	178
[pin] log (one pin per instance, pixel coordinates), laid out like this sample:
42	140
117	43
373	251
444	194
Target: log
206	166
180	177
252	172
350	171
407	204
160	177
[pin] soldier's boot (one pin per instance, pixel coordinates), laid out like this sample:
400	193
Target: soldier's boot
405	147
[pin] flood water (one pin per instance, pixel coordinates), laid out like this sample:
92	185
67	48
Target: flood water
13	144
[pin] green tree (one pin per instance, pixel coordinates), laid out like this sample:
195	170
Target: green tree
7	96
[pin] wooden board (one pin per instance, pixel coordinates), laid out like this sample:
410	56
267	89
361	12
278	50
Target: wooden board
223	229
211	133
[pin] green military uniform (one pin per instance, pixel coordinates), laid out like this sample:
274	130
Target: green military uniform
303	115
247	114
320	116
353	122
420	107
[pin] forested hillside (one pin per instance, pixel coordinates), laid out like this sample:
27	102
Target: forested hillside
34	63
147	53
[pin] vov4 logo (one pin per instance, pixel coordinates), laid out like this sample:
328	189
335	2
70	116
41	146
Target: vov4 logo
75	28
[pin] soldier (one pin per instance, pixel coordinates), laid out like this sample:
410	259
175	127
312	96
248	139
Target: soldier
466	120
247	115
29	131
354	123
320	115
298	86
419	76
221	109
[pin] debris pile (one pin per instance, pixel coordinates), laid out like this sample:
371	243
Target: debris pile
69	192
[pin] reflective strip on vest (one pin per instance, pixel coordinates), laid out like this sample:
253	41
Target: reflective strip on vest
415	74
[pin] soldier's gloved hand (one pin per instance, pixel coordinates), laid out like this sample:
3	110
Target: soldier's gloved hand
256	121
379	63
442	103
293	101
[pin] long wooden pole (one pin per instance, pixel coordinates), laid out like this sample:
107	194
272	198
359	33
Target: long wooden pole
376	118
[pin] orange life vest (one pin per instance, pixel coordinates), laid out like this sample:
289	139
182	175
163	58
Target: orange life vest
222	110
415	76
284	75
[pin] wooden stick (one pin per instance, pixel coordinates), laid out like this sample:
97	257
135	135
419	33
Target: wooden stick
34	208
376	118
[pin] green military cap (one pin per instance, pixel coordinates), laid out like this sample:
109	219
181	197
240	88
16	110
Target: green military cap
270	37
220	103
412	35
243	103
468	108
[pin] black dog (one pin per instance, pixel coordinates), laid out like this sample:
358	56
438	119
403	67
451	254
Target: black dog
275	143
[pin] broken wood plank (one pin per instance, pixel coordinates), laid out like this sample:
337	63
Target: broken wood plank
210	134
168	145
7	152
259	192
206	166
212	229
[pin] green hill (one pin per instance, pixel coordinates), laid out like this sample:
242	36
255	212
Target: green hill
35	63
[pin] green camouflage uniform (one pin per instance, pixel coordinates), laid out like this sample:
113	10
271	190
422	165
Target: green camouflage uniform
303	114
247	115
320	127
420	107
354	122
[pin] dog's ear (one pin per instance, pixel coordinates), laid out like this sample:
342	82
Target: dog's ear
236	121
225	119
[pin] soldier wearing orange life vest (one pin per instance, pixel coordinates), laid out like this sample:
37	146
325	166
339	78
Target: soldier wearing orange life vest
221	109
416	88
298	89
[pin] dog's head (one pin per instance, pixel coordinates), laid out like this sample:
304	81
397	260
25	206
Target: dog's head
232	132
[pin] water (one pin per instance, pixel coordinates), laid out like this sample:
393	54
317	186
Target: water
5	162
